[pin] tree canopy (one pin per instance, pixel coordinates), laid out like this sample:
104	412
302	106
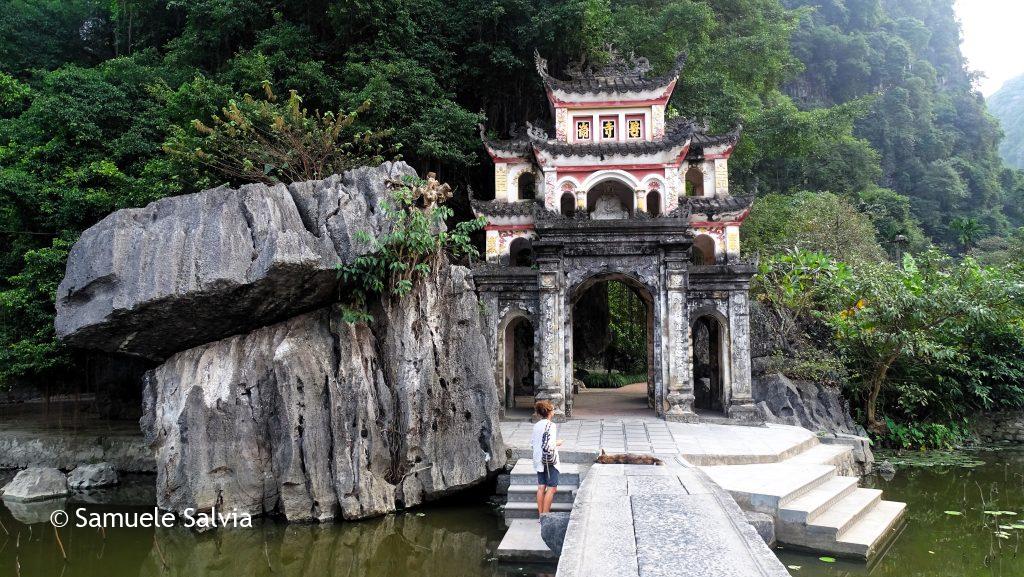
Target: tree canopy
860	111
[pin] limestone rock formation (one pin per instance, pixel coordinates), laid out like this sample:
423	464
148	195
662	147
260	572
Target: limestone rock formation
191	269
315	418
36	484
92	476
804	404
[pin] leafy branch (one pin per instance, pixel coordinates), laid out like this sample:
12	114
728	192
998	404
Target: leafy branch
270	142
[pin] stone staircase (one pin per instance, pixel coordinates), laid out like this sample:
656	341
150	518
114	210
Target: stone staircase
522	542
522	490
815	506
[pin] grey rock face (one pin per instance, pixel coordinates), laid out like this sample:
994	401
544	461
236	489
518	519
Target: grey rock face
319	419
191	269
1005	426
35	448
552	530
816	407
803	404
92	476
36	484
764	524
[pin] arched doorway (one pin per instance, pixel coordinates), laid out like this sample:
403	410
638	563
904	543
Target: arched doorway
527	186
694	182
520	252
703	250
612	354
610	200
516	363
709	350
654	203
567	204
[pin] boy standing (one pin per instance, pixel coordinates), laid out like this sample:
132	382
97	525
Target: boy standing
545	456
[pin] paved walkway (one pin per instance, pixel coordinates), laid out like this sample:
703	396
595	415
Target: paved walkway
701	444
670	521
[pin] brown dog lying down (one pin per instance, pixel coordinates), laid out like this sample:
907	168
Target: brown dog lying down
628	459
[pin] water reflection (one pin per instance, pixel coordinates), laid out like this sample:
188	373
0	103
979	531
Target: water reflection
453	540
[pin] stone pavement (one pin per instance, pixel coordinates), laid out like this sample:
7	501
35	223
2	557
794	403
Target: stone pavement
700	444
667	521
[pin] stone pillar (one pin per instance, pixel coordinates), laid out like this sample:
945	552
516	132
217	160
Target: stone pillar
550	346
640	200
741	401
679	384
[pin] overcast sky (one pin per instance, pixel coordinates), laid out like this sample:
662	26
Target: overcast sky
993	39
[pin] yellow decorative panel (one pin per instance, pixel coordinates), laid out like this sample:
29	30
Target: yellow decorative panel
607	129
732	240
582	130
635	128
721	176
501	181
492	245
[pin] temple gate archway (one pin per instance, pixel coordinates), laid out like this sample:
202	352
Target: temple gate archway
624	335
709	343
516	369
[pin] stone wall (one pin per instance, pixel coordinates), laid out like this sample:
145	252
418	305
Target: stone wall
1007	426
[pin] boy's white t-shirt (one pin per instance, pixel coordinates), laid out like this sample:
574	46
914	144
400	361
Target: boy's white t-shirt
537	443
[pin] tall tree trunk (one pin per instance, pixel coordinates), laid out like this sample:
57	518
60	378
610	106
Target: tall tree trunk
877	379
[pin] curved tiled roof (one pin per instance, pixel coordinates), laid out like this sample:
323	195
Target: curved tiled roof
714	205
600	82
500	208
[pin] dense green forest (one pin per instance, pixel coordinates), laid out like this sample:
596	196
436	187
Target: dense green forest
1008	106
868	101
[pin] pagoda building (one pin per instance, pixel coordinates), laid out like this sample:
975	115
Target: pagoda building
619	192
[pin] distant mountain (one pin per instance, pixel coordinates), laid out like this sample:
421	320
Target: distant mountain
1008	106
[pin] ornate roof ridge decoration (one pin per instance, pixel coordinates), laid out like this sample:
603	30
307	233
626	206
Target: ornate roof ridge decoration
513	147
678	132
617	66
702	138
713	206
499	208
619	75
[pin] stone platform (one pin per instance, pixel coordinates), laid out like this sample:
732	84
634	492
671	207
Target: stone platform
660	521
700	444
807	487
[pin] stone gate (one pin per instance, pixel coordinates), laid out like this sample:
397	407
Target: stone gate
620	193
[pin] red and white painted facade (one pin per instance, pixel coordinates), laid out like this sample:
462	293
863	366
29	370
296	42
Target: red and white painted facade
614	134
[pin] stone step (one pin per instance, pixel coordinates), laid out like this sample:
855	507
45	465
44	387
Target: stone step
807	507
528	494
844	513
524	474
767	488
738	455
523	543
821	454
870	534
515	510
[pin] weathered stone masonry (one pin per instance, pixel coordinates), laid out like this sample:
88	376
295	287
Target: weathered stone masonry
620	194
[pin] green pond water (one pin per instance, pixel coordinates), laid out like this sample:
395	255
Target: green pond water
458	538
934	543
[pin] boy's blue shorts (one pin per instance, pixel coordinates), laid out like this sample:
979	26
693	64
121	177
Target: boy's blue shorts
548	477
